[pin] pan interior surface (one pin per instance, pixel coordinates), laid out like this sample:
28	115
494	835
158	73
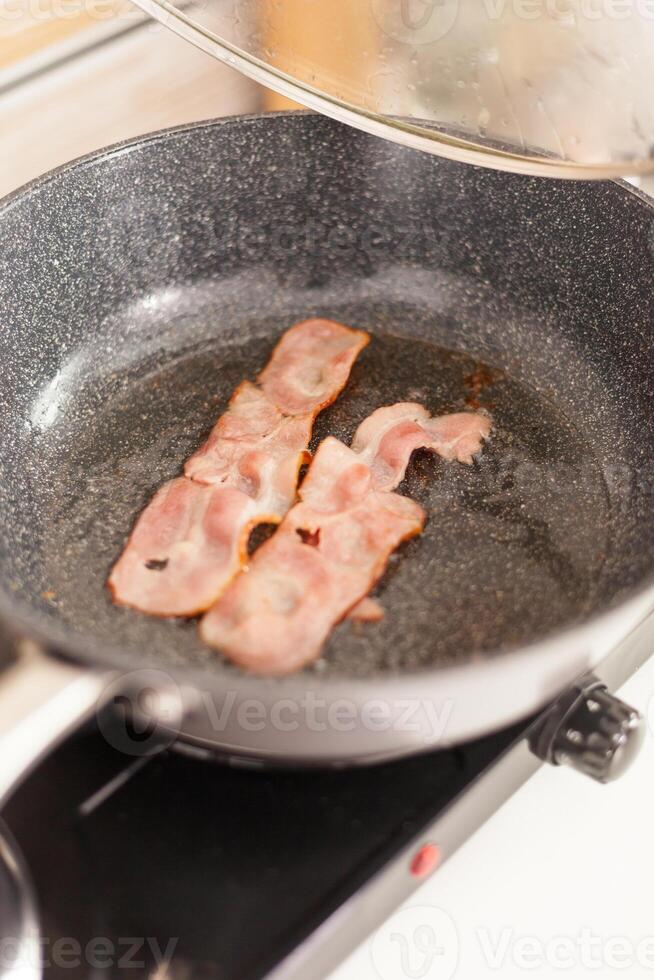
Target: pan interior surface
511	549
135	306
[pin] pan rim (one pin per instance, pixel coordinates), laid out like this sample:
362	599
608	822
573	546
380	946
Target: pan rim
61	640
58	641
169	132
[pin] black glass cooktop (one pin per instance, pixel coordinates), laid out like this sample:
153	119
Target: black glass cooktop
215	871
180	867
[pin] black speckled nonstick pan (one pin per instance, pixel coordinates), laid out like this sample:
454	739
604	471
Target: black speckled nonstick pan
140	285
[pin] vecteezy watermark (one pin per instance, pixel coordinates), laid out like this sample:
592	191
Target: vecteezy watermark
142	712
421	22
313	713
230	241
139	713
416	943
24	14
18	957
416	21
421	942
586	950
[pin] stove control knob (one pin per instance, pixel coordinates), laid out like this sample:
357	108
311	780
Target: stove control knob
592	731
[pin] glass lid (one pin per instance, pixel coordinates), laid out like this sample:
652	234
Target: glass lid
551	87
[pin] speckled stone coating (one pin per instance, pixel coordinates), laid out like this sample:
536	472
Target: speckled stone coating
138	286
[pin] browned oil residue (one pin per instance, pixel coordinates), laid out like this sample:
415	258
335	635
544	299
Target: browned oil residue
475	383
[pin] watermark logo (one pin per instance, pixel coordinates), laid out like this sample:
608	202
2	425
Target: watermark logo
423	943
140	713
421	22
416	943
98	954
586	951
416	22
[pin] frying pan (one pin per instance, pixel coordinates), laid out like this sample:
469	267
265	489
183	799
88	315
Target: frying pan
139	285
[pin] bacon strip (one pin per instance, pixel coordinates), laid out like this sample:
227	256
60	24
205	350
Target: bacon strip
192	538
186	542
367	610
310	366
334	544
255	448
306	373
388	437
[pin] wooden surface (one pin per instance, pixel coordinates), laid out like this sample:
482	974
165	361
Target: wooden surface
146	80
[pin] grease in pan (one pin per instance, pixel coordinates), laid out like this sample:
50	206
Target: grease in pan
334	544
192	538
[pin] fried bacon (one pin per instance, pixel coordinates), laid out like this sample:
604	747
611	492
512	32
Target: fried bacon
256	449
329	550
367	610
192	538
388	437
188	540
334	544
310	366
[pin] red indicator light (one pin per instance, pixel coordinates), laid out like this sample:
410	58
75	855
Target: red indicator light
425	860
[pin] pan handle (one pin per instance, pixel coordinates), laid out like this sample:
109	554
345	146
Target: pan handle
42	700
